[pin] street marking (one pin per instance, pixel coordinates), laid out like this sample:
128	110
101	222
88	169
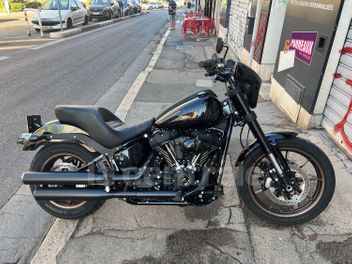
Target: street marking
15	47
131	95
62	230
4	58
24	40
48	44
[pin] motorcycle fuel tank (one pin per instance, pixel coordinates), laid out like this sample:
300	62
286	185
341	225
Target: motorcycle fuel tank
199	110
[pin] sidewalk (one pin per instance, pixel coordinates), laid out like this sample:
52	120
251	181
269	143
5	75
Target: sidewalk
221	232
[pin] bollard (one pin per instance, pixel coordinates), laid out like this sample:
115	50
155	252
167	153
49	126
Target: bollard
26	19
40	23
60	17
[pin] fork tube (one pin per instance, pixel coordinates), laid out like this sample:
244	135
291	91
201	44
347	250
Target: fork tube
257	130
226	147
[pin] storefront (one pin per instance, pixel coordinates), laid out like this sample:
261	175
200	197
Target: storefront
242	20
312	80
238	24
222	15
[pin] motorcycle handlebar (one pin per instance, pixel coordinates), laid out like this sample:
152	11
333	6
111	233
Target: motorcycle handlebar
208	64
217	66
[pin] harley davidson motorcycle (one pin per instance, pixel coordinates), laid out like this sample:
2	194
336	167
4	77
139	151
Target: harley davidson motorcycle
88	155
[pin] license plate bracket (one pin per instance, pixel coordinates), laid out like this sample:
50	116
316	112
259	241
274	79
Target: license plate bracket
34	122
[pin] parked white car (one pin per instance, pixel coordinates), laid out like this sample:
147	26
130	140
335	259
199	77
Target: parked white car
73	13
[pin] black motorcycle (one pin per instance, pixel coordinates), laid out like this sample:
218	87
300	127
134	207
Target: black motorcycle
88	155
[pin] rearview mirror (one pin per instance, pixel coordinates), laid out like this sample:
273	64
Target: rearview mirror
73	8
219	45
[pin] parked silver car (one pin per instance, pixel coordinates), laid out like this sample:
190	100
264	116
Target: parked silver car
73	13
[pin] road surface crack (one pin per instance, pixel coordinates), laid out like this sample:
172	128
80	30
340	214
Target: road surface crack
223	252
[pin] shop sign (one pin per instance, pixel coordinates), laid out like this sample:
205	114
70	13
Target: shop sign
303	43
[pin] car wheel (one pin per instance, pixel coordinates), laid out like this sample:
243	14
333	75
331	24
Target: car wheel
69	23
86	20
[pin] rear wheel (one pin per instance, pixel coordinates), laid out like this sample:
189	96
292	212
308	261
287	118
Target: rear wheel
64	157
313	183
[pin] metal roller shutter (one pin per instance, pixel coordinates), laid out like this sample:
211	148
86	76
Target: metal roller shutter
337	118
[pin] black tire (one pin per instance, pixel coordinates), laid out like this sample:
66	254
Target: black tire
320	163
69	24
86	21
40	162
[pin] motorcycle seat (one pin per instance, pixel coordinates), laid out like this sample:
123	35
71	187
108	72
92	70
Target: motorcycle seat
101	124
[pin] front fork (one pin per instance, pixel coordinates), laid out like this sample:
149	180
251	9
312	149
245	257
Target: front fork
272	152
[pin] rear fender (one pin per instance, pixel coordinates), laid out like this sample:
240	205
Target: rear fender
54	132
271	137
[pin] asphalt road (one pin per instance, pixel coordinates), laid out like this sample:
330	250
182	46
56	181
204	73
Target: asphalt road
75	71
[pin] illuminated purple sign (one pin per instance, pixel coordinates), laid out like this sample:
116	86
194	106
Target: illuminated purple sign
303	42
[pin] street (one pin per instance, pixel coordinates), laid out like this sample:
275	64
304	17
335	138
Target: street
76	71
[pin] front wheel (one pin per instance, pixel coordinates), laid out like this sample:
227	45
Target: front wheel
313	182
64	157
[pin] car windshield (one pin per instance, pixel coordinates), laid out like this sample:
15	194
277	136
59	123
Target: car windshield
100	2
52	5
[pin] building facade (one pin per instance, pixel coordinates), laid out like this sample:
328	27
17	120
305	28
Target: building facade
304	49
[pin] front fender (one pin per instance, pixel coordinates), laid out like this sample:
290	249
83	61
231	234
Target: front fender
31	141
271	137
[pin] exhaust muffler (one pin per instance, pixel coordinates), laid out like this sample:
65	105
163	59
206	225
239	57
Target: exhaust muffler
77	178
85	194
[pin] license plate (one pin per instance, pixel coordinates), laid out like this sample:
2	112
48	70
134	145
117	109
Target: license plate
96	13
